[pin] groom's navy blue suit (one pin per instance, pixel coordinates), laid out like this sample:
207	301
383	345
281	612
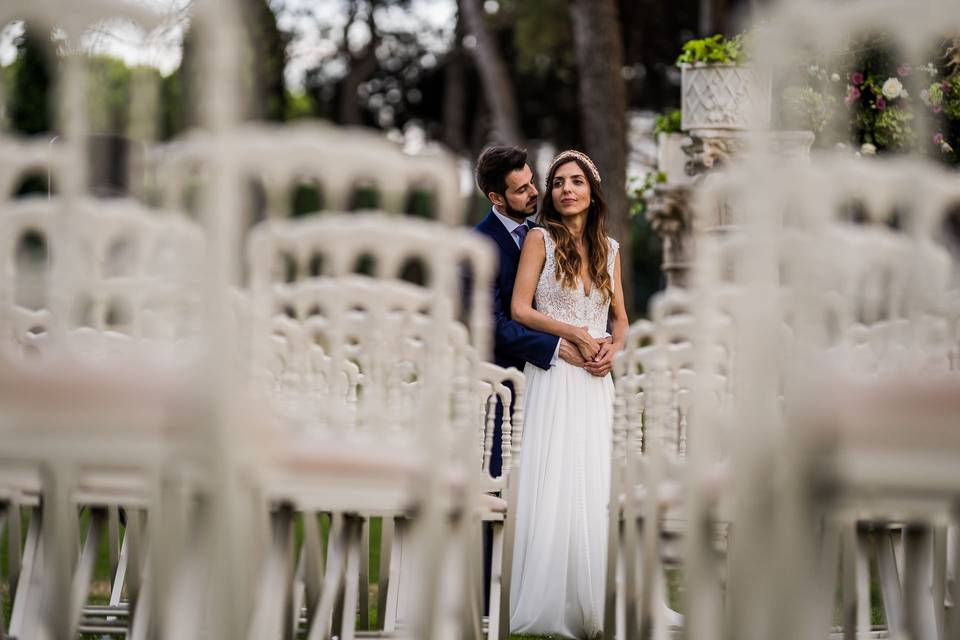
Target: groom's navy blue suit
514	344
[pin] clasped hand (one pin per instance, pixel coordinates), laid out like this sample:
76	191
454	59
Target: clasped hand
592	354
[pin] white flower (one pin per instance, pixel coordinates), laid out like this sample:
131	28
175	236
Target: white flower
892	88
904	94
925	97
835	77
929	68
813	69
868	149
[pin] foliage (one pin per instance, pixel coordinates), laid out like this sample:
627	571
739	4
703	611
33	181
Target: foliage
640	193
647	247
108	95
668	122
299	105
31	79
716	49
541	43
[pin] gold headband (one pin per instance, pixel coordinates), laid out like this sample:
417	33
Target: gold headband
571	154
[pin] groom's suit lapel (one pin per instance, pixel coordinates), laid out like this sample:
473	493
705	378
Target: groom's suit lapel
502	237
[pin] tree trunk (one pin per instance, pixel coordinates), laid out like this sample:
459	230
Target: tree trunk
362	66
493	75
455	95
603	109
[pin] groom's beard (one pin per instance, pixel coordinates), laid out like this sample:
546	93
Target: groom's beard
519	214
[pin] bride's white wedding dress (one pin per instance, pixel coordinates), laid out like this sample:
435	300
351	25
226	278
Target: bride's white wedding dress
561	537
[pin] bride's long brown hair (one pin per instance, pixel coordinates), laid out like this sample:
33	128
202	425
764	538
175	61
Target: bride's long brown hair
594	234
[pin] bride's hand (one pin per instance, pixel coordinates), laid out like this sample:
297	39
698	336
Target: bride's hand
588	345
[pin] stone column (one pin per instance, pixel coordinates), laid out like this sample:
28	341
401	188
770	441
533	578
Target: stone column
707	151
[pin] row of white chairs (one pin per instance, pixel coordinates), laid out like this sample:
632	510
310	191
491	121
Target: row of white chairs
744	445
360	374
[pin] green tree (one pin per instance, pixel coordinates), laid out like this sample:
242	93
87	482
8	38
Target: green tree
31	80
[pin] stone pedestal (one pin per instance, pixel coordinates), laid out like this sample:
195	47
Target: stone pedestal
708	150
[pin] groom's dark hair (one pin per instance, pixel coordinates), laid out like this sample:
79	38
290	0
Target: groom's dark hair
494	164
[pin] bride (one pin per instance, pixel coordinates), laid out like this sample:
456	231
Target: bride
567	283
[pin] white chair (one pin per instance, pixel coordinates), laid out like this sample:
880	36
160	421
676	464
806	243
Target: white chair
113	294
393	333
501	393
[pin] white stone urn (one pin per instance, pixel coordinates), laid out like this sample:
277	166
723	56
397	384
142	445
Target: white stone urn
670	157
724	96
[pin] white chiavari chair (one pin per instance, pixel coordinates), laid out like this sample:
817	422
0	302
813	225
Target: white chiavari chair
393	333
834	312
111	290
501	388
656	380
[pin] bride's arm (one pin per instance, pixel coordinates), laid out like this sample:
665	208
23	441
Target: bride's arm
619	325
532	258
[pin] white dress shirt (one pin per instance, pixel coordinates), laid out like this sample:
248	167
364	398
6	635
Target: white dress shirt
511	225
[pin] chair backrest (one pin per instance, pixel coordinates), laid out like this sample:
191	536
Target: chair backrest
112	269
503	387
455	264
355	349
334	161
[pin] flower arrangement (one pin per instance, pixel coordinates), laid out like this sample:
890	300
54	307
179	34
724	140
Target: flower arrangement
871	83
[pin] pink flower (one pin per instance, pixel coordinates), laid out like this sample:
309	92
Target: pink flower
938	139
945	85
881	104
904	70
937	108
856	78
852	94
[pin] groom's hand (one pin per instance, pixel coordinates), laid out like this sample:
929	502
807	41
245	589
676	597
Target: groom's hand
570	354
603	362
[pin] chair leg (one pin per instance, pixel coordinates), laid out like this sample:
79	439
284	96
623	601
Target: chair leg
313	562
952	622
506	574
273	602
60	541
113	541
299	592
918	598
354	528
364	588
889	581
135	556
140	616
81	578
386	567
495	617
940	579
392	600
13	548
614	533
320	625
4	517
856	584
27	583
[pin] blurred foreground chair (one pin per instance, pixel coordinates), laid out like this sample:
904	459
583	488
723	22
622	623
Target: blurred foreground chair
388	407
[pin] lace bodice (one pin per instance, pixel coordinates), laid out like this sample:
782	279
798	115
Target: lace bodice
572	305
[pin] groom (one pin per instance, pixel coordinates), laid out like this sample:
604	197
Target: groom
506	179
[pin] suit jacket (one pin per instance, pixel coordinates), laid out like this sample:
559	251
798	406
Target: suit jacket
514	344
